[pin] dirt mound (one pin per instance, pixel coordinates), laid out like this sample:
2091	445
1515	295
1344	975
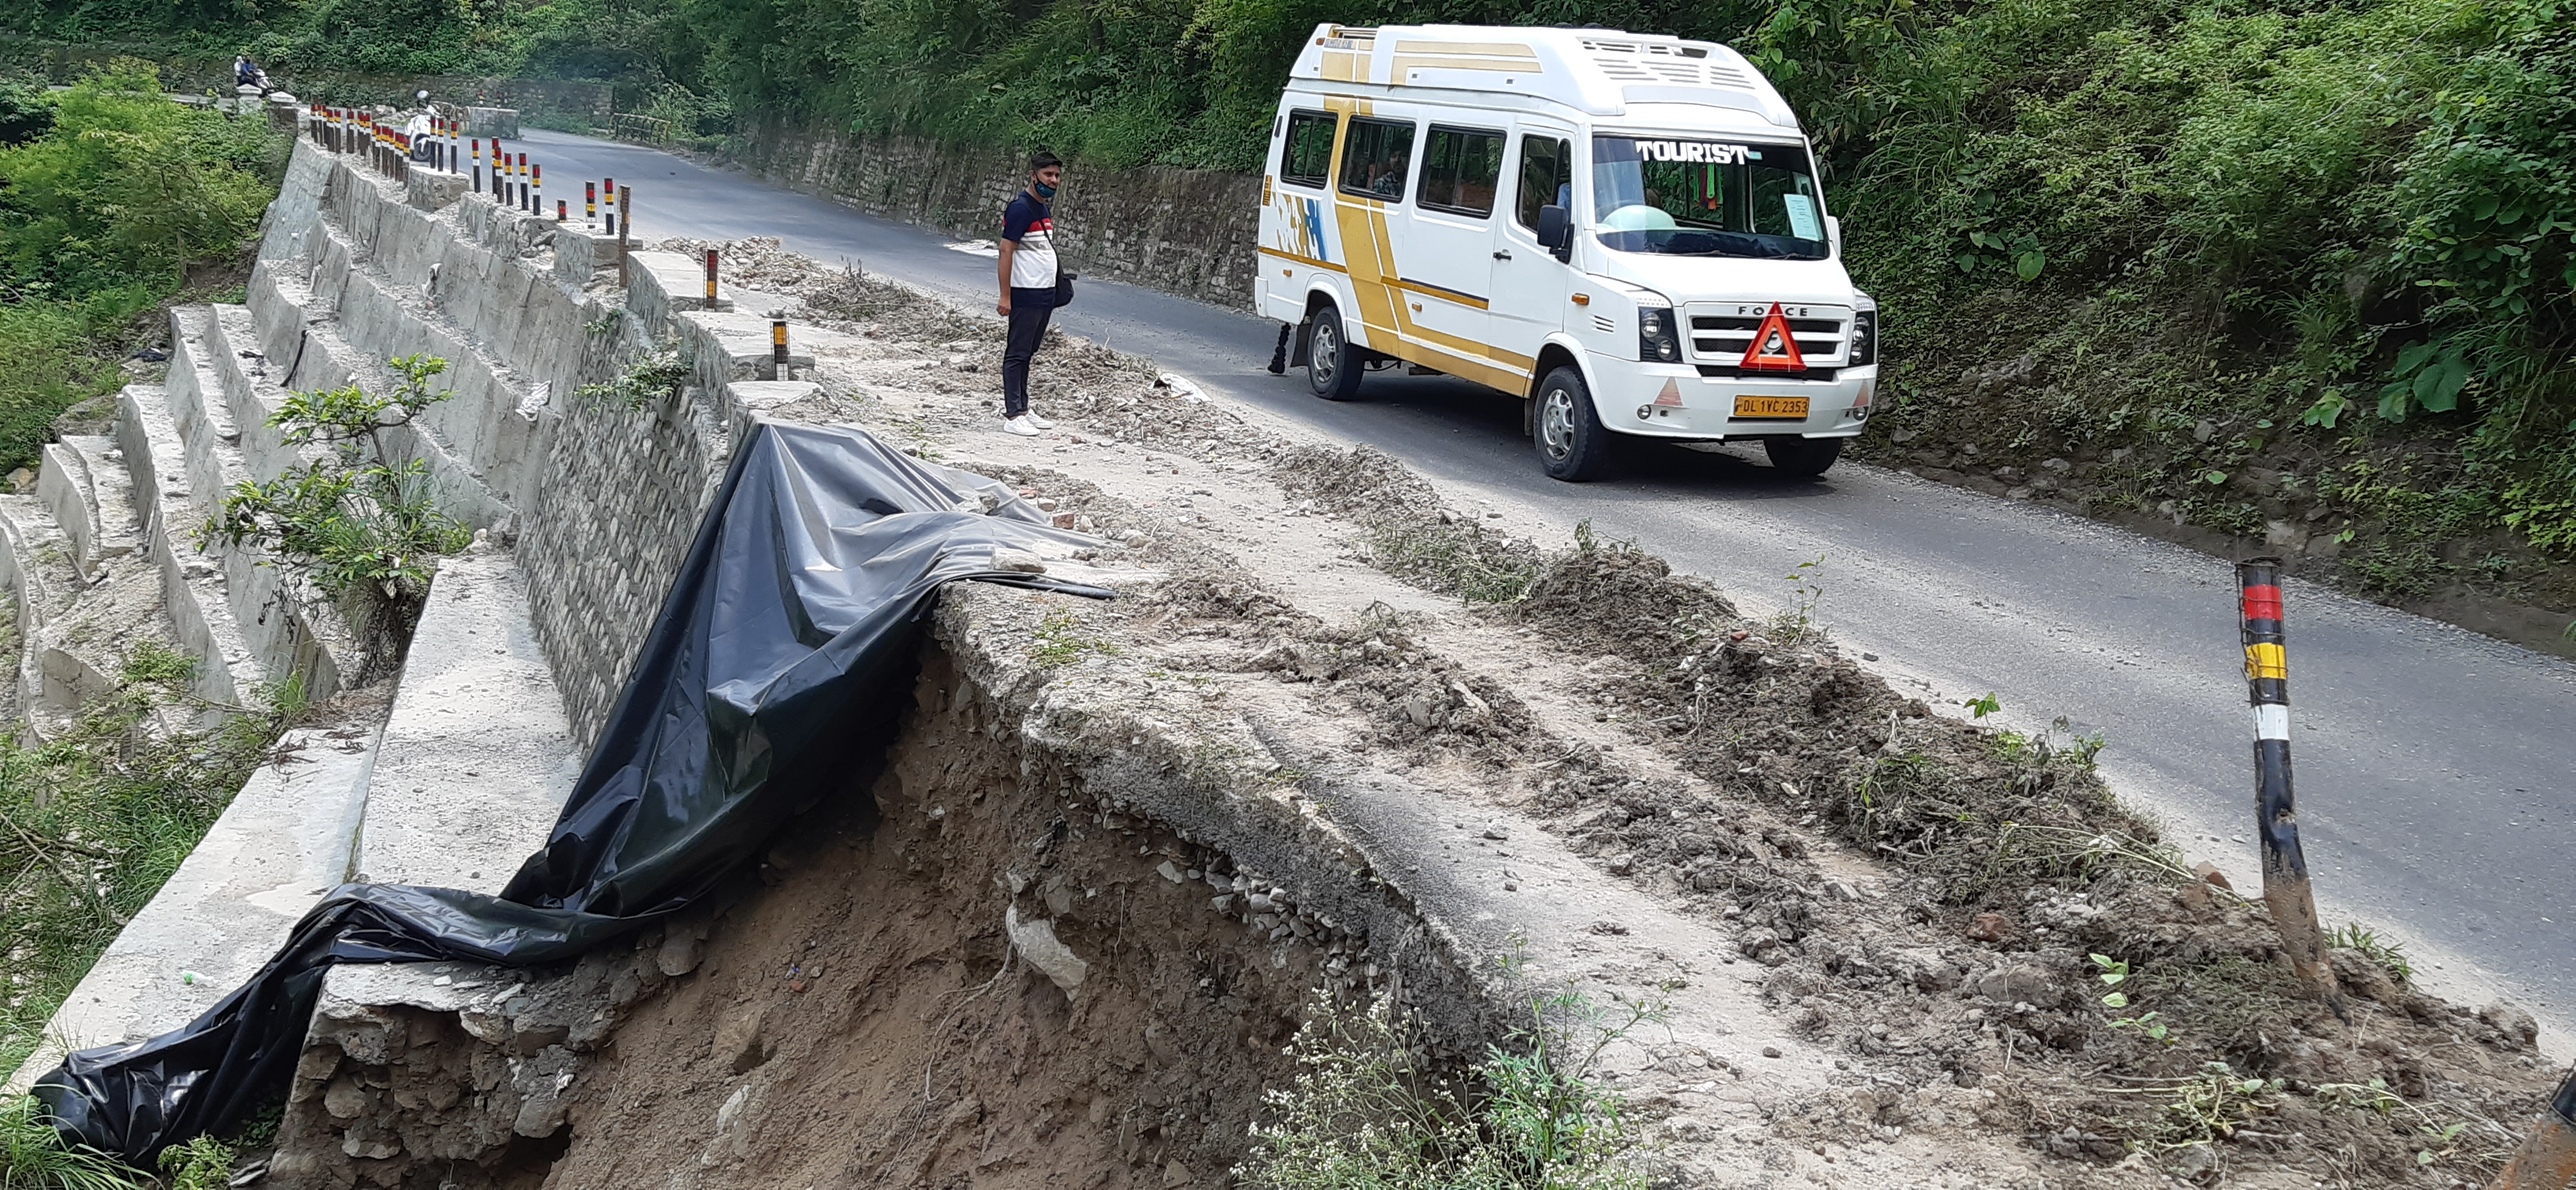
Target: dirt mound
872	1016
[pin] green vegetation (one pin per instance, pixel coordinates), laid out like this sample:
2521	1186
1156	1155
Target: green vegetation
362	521
1365	1113
2215	254
92	823
32	1155
109	195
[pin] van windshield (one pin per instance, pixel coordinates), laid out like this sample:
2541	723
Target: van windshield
1677	196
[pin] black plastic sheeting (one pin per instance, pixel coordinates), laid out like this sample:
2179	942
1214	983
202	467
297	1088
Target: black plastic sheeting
790	627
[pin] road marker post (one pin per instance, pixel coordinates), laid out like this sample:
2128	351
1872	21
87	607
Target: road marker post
625	217
2276	818
2547	1158
537	190
711	278
777	338
589	205
609	187
478	165
559	212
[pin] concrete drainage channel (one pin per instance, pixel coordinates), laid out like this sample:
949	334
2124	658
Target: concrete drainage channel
1010	925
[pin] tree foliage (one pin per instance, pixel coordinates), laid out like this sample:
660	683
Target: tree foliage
108	194
361	520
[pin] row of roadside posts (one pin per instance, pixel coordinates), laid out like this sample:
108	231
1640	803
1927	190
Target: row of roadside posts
2546	1159
512	180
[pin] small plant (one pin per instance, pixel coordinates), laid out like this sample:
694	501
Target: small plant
1061	642
2391	956
361	521
2114	973
203	1163
1365	1113
1982	707
2204	1107
1807	587
33	1156
655	377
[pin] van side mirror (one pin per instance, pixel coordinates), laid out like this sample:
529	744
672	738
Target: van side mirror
1555	231
1834	233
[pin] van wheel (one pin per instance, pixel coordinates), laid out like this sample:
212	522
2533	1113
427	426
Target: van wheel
1333	366
1802	457
1572	444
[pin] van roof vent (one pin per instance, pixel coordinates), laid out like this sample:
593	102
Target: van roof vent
1654	62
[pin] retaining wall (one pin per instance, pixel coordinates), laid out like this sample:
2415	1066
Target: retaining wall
1189	232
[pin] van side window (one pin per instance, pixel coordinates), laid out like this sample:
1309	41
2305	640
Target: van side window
1460	167
1306	156
1547	173
1376	156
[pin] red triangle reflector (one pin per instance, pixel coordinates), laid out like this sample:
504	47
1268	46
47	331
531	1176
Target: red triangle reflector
1774	349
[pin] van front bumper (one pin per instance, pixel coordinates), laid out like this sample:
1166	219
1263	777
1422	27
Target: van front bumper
1675	401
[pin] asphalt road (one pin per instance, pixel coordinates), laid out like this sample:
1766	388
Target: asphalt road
2437	768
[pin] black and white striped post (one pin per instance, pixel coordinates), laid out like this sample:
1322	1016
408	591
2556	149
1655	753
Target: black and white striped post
2276	817
777	348
2547	1158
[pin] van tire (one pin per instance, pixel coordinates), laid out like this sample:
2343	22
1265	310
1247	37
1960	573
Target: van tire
1572	443
1333	366
1805	458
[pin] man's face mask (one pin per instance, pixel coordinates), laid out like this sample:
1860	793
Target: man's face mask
1045	189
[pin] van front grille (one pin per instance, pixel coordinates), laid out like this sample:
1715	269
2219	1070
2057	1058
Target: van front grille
1724	338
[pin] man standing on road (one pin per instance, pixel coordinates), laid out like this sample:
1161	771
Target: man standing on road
1028	287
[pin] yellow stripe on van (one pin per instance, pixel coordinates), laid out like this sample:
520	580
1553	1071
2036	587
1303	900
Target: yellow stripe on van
1304	260
1488	49
1404	63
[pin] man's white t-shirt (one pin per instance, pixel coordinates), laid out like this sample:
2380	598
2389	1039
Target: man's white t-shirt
1029	223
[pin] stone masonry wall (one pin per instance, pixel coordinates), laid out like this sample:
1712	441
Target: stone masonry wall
623	497
1189	232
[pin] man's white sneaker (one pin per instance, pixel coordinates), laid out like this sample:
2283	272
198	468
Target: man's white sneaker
1033	419
1023	425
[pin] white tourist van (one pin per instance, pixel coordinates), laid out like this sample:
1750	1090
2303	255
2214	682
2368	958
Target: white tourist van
1624	231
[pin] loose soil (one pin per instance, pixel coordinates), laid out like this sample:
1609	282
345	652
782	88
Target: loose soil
1874	925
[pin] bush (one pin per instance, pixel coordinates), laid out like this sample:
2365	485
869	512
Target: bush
362	520
128	187
1364	1113
110	196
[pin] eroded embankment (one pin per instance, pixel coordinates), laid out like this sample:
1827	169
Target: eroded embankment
992	955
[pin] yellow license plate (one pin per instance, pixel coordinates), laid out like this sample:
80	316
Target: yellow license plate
1771	407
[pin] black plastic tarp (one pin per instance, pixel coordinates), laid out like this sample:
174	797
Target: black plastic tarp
789	629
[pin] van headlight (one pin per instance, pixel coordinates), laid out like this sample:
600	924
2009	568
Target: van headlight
1659	338
1864	338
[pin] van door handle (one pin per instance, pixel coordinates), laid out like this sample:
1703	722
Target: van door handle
1499	254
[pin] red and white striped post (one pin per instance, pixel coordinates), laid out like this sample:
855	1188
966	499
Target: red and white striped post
2547	1158
2276	816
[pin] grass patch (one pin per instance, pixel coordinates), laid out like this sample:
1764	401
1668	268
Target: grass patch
1365	1112
92	824
33	1156
1060	641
